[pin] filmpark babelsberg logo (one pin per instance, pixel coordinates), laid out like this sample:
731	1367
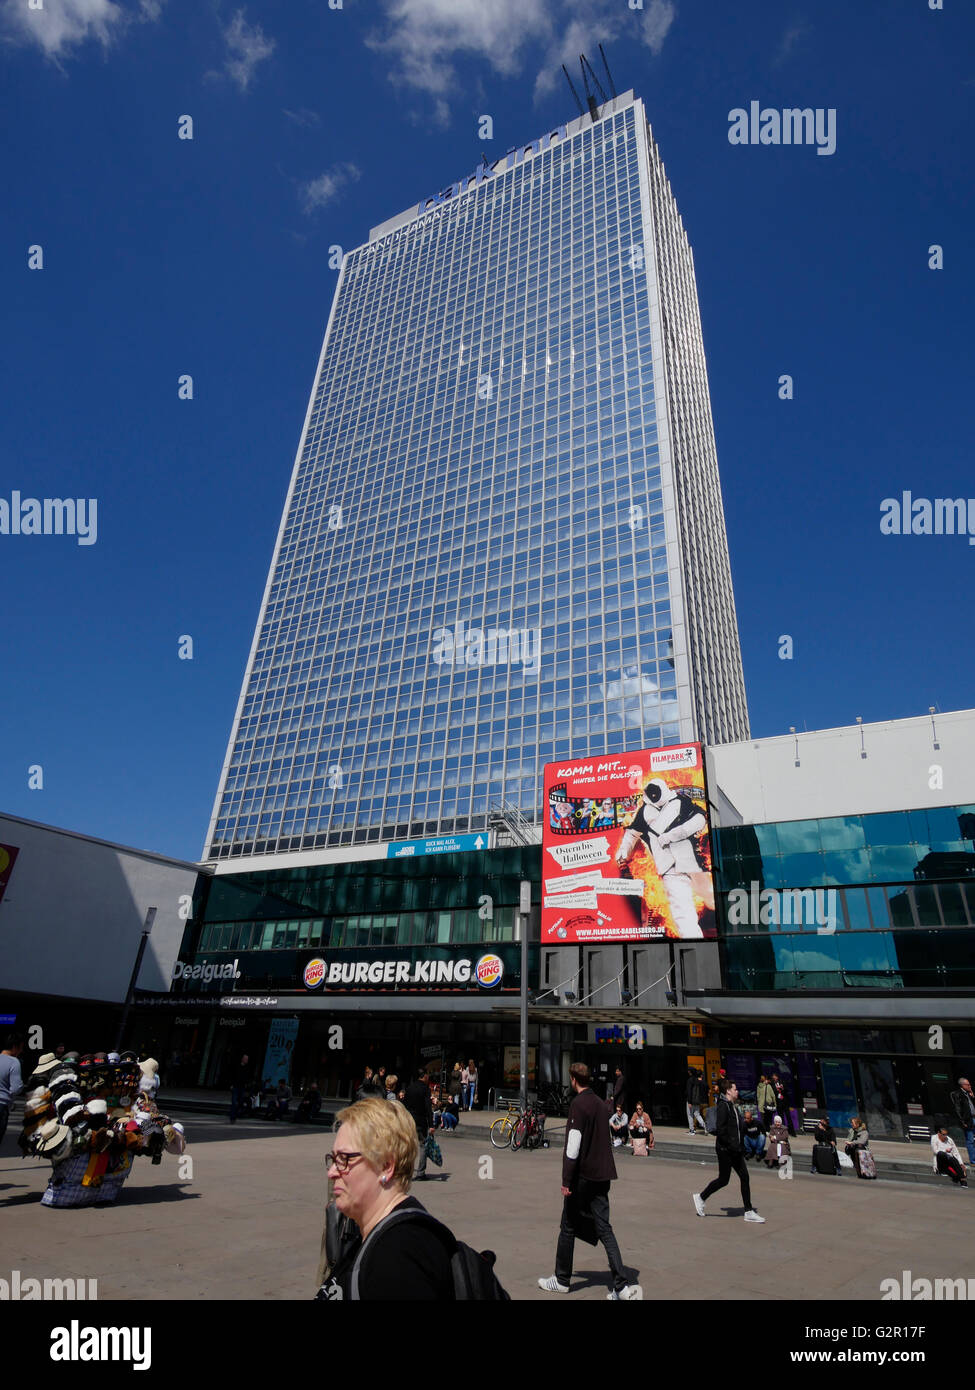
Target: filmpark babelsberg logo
486	972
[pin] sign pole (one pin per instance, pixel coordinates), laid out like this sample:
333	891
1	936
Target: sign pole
147	928
524	912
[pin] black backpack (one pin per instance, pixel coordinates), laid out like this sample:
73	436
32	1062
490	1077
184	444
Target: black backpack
473	1273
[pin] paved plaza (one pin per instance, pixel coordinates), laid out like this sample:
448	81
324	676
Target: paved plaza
247	1224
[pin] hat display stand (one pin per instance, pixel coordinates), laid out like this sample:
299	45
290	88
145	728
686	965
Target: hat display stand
89	1117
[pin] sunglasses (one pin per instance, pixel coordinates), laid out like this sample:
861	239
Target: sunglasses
341	1161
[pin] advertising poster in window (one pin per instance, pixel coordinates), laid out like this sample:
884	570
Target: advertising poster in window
626	849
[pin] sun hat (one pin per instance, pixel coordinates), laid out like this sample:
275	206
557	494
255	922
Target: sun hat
150	1065
53	1141
45	1064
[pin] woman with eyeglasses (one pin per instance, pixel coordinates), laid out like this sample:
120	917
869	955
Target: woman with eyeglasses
401	1252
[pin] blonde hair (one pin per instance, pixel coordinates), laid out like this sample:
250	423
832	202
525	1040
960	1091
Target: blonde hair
391	1080
385	1130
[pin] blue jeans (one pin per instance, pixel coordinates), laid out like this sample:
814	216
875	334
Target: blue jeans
970	1145
755	1146
469	1091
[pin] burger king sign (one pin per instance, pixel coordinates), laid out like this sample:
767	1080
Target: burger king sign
314	973
488	971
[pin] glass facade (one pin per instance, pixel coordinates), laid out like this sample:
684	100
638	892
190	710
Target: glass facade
904	915
434	900
504	541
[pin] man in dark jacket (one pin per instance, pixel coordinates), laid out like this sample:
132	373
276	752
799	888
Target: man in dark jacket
587	1171
964	1102
694	1095
729	1144
417	1100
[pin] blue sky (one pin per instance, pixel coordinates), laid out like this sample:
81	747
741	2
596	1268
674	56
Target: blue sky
311	124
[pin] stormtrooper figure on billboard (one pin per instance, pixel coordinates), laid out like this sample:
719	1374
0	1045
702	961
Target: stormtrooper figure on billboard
668	824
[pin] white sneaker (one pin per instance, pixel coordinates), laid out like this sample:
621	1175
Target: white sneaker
629	1291
552	1285
754	1216
698	1204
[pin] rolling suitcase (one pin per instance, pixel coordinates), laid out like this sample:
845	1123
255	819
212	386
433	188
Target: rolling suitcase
824	1159
866	1167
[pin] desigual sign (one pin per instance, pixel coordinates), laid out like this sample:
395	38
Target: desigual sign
230	970
486	972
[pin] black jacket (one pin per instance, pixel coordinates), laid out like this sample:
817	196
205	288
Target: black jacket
695	1092
959	1100
588	1149
417	1100
730	1128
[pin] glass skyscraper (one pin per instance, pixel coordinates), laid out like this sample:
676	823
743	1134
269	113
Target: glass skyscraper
504	541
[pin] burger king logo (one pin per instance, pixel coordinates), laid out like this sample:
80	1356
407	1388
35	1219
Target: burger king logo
314	973
489	970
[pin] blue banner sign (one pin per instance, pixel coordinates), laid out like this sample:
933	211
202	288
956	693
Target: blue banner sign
442	844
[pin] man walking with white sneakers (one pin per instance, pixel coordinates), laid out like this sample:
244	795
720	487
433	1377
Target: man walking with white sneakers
587	1171
729	1147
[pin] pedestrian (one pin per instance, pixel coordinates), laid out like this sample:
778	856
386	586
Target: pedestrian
778	1144
471	1084
641	1131
824	1140
456	1085
964	1102
946	1158
391	1083
11	1080
618	1123
619	1087
393	1259
782	1102
857	1142
417	1100
765	1099
239	1086
367	1089
729	1146
587	1171
695	1094
754	1135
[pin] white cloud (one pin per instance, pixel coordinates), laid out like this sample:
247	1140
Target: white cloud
656	24
317	193
63	24
246	47
788	42
303	116
422	39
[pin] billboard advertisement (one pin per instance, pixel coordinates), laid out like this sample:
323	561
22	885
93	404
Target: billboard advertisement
626	849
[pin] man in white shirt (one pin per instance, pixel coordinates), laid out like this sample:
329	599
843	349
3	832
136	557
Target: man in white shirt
946	1158
618	1123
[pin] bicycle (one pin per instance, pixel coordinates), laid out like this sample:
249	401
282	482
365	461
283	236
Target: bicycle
556	1098
529	1131
503	1128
